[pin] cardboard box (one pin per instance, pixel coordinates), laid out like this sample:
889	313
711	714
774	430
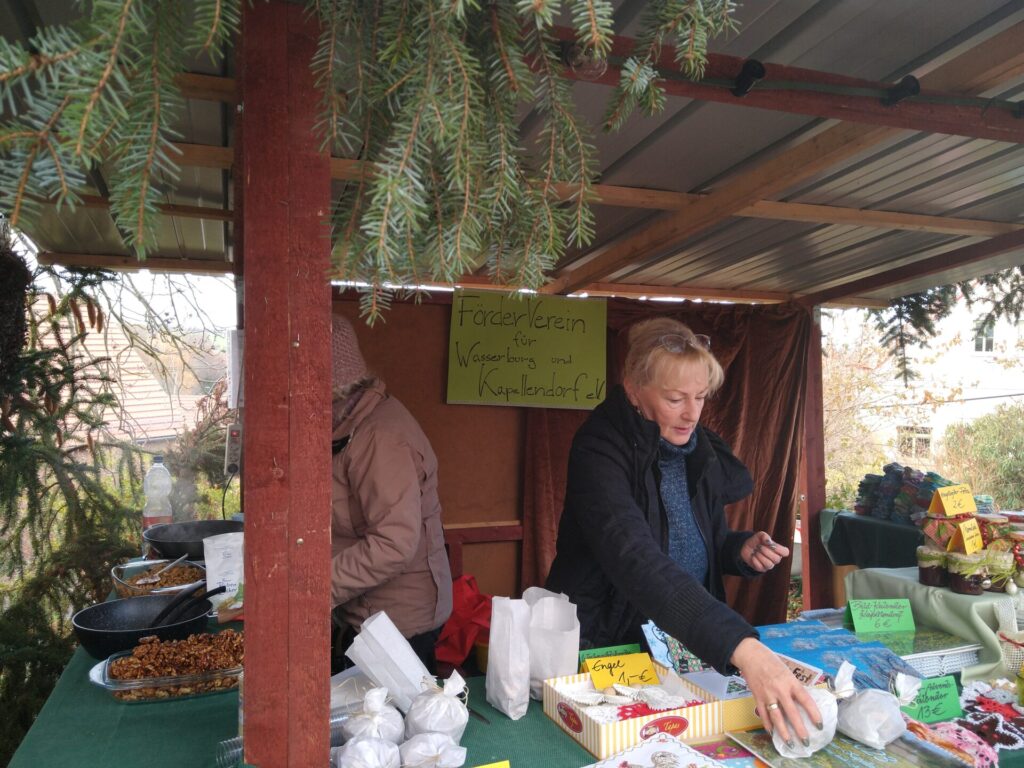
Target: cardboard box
690	724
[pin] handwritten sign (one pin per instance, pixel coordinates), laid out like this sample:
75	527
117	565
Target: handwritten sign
967	537
870	616
611	650
937	701
546	351
630	669
953	500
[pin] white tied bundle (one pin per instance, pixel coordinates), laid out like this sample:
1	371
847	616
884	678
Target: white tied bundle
377	719
439	710
828	708
366	753
432	750
873	716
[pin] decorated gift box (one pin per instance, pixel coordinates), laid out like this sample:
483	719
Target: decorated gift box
604	732
940	530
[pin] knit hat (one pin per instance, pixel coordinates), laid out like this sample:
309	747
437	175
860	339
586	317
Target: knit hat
347	364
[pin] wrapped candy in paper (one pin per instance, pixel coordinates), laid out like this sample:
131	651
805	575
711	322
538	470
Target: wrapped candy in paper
872	716
377	719
366	753
818	739
439	710
432	750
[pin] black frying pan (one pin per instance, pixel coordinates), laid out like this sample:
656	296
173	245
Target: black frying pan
176	539
118	625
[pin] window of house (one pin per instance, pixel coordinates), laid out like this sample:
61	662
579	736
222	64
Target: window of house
914	442
986	339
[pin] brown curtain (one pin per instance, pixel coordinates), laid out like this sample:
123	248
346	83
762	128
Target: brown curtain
759	412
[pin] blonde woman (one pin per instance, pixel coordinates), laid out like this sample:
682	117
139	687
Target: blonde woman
643	534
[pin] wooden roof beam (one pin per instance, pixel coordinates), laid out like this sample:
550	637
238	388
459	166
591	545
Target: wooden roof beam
785	89
120	263
343	169
781	171
960	257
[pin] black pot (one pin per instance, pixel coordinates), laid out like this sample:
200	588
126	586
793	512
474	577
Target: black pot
118	625
176	539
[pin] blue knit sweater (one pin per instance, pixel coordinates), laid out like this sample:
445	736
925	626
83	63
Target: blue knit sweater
685	542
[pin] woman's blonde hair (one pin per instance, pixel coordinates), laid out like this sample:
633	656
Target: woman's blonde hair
654	343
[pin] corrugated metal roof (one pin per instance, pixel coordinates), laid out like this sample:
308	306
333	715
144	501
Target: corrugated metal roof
705	147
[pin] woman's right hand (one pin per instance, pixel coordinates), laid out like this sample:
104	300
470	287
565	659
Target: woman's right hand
778	695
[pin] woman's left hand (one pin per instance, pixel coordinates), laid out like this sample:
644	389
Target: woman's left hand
761	553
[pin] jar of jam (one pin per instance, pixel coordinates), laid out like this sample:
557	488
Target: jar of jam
931	567
966	572
1000	567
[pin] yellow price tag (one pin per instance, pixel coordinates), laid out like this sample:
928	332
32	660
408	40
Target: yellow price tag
953	500
502	764
967	537
631	669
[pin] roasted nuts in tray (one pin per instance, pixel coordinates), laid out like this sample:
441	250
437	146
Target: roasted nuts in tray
164	669
126	576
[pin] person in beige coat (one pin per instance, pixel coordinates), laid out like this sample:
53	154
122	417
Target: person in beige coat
387	541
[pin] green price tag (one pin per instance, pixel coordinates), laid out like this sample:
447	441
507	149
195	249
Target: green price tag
937	701
611	650
870	616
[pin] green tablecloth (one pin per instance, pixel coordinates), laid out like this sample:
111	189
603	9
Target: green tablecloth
969	617
868	542
83	726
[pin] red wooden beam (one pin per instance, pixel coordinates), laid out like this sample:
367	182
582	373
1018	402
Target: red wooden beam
817	568
285	181
976	119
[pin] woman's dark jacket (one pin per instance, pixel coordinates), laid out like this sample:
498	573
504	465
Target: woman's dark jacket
611	555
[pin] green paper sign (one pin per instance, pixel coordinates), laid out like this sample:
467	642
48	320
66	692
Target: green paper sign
542	351
611	650
937	701
872	616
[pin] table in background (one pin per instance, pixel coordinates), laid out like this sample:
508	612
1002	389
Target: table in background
868	542
82	725
972	618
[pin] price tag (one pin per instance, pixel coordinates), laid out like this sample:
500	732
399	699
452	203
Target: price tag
502	764
868	616
967	537
611	650
630	669
937	701
953	500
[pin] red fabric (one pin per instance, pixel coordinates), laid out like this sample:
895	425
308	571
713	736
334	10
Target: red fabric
759	412
471	615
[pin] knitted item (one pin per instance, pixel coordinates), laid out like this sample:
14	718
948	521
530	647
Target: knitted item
347	364
685	541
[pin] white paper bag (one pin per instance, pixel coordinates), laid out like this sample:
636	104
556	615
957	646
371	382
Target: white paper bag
554	637
432	750
386	657
225	565
508	657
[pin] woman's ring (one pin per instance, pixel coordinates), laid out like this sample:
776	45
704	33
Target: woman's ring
773	705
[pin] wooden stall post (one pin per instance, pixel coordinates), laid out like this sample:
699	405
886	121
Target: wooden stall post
285	182
817	569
